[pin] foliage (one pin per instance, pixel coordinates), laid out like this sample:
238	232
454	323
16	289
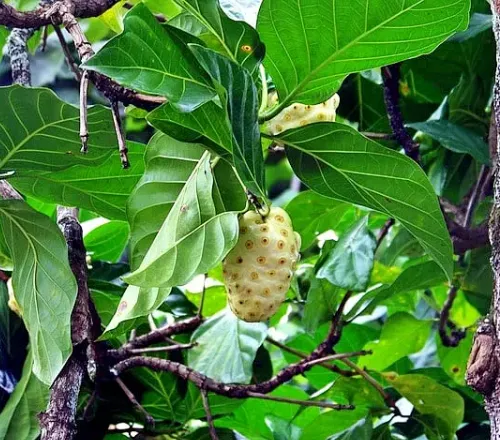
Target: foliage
374	234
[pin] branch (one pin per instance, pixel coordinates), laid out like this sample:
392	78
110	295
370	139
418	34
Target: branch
58	422
332	368
390	76
156	336
13	18
205	383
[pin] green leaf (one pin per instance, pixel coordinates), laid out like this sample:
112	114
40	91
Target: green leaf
415	277
350	263
332	422
215	299
237	40
453	360
313	214
361	430
4	34
169	163
240	96
43	283
250	418
478	23
431	398
312	46
207	124
153	59
197	225
336	161
322	300
19	417
103	189
356	391
41	133
402	334
108	241
455	138
226	347
135	303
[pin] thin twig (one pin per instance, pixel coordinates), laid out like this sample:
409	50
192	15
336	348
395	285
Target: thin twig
332	368
156	336
45	35
336	357
150	421
84	131
122	144
300	402
67	54
384	231
202	302
210	420
456	335
161	349
386	396
378	136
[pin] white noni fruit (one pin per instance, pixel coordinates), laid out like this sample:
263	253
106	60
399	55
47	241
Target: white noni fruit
258	270
300	115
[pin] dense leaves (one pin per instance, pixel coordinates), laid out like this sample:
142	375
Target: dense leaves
313	46
375	224
154	59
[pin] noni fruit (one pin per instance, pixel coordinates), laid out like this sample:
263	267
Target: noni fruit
300	115
258	270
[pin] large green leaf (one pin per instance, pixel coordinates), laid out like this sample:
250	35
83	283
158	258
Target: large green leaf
43	283
312	214
311	46
350	263
235	39
39	132
208	124
336	161
19	417
455	138
226	347
153	59
196	235
401	335
431	398
103	189
168	166
240	95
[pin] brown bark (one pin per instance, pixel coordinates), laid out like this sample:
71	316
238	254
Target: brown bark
482	372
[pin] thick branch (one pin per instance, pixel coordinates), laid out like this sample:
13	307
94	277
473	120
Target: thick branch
58	422
11	17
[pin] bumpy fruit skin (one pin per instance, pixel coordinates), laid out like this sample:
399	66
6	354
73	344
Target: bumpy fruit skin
300	115
258	270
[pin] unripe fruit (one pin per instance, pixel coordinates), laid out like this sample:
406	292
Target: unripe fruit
258	270
300	115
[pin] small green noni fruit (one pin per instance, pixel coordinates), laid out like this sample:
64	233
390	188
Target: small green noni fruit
258	270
